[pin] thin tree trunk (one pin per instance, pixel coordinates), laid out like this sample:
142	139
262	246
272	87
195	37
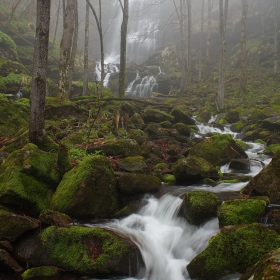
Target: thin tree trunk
55	29
275	37
201	41
262	21
85	76
13	11
38	86
189	5
123	48
242	78
65	52
101	51
222	64
64	10
209	33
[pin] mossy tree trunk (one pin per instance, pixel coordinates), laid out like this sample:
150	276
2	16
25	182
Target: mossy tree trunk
222	64
65	51
125	11
38	87
242	78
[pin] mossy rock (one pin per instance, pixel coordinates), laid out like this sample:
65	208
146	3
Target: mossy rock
267	182
8	265
53	218
232	250
131	208
237	126
155	131
266	268
133	164
200	206
242	211
192	169
182	129
136	121
8	47
271	149
232	116
26	178
85	251
156	116
182	116
88	190
203	116
121	147
218	149
169	179
40	272
138	135
13	225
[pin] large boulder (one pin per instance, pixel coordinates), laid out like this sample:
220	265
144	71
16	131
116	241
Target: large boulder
182	117
200	206
134	186
218	149
41	272
266	268
242	211
86	251
233	249
267	182
193	169
155	131
240	164
13	225
272	123
133	164
27	178
8	264
157	116
88	190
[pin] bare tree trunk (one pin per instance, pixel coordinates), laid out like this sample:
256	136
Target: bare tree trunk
209	33
222	64
38	87
275	37
189	5
201	40
262	21
64	10
123	48
74	44
85	76
242	78
55	29
65	52
13	11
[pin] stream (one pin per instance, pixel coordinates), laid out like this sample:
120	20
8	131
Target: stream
167	241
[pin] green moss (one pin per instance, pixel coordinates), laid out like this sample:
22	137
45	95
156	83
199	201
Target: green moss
242	211
259	141
8	44
223	121
68	246
233	250
169	179
39	272
242	144
12	82
271	149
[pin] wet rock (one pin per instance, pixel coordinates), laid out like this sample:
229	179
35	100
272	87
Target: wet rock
88	190
40	272
157	116
242	211
237	127
53	218
232	116
200	206
182	129
218	149
6	245
272	123
233	249
13	226
267	182
182	117
255	134
193	169
7	263
136	121
204	116
266	268
133	164
271	149
85	251
240	164
155	131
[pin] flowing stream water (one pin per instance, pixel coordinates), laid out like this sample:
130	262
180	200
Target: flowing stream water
168	242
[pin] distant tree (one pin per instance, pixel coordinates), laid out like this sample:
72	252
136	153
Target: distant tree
209	33
222	63
242	78
56	26
85	75
65	51
125	11
38	86
275	8
201	41
189	45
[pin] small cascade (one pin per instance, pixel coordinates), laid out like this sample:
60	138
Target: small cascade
109	69
131	84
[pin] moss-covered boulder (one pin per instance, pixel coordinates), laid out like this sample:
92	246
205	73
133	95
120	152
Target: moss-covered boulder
266	268
272	123
267	182
85	251
182	116
182	129
240	165
232	116
8	47
41	272
8	264
200	206
232	250
156	116
121	147
242	211
136	121
255	134
218	149
138	135
134	186
193	169
53	218
27	178
271	149
155	131
13	225
88	190
133	164
203	115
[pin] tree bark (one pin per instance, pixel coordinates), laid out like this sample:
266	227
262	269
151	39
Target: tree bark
125	9
209	33
56	25
275	8
65	52
38	87
85	76
242	78
201	41
189	6
222	64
